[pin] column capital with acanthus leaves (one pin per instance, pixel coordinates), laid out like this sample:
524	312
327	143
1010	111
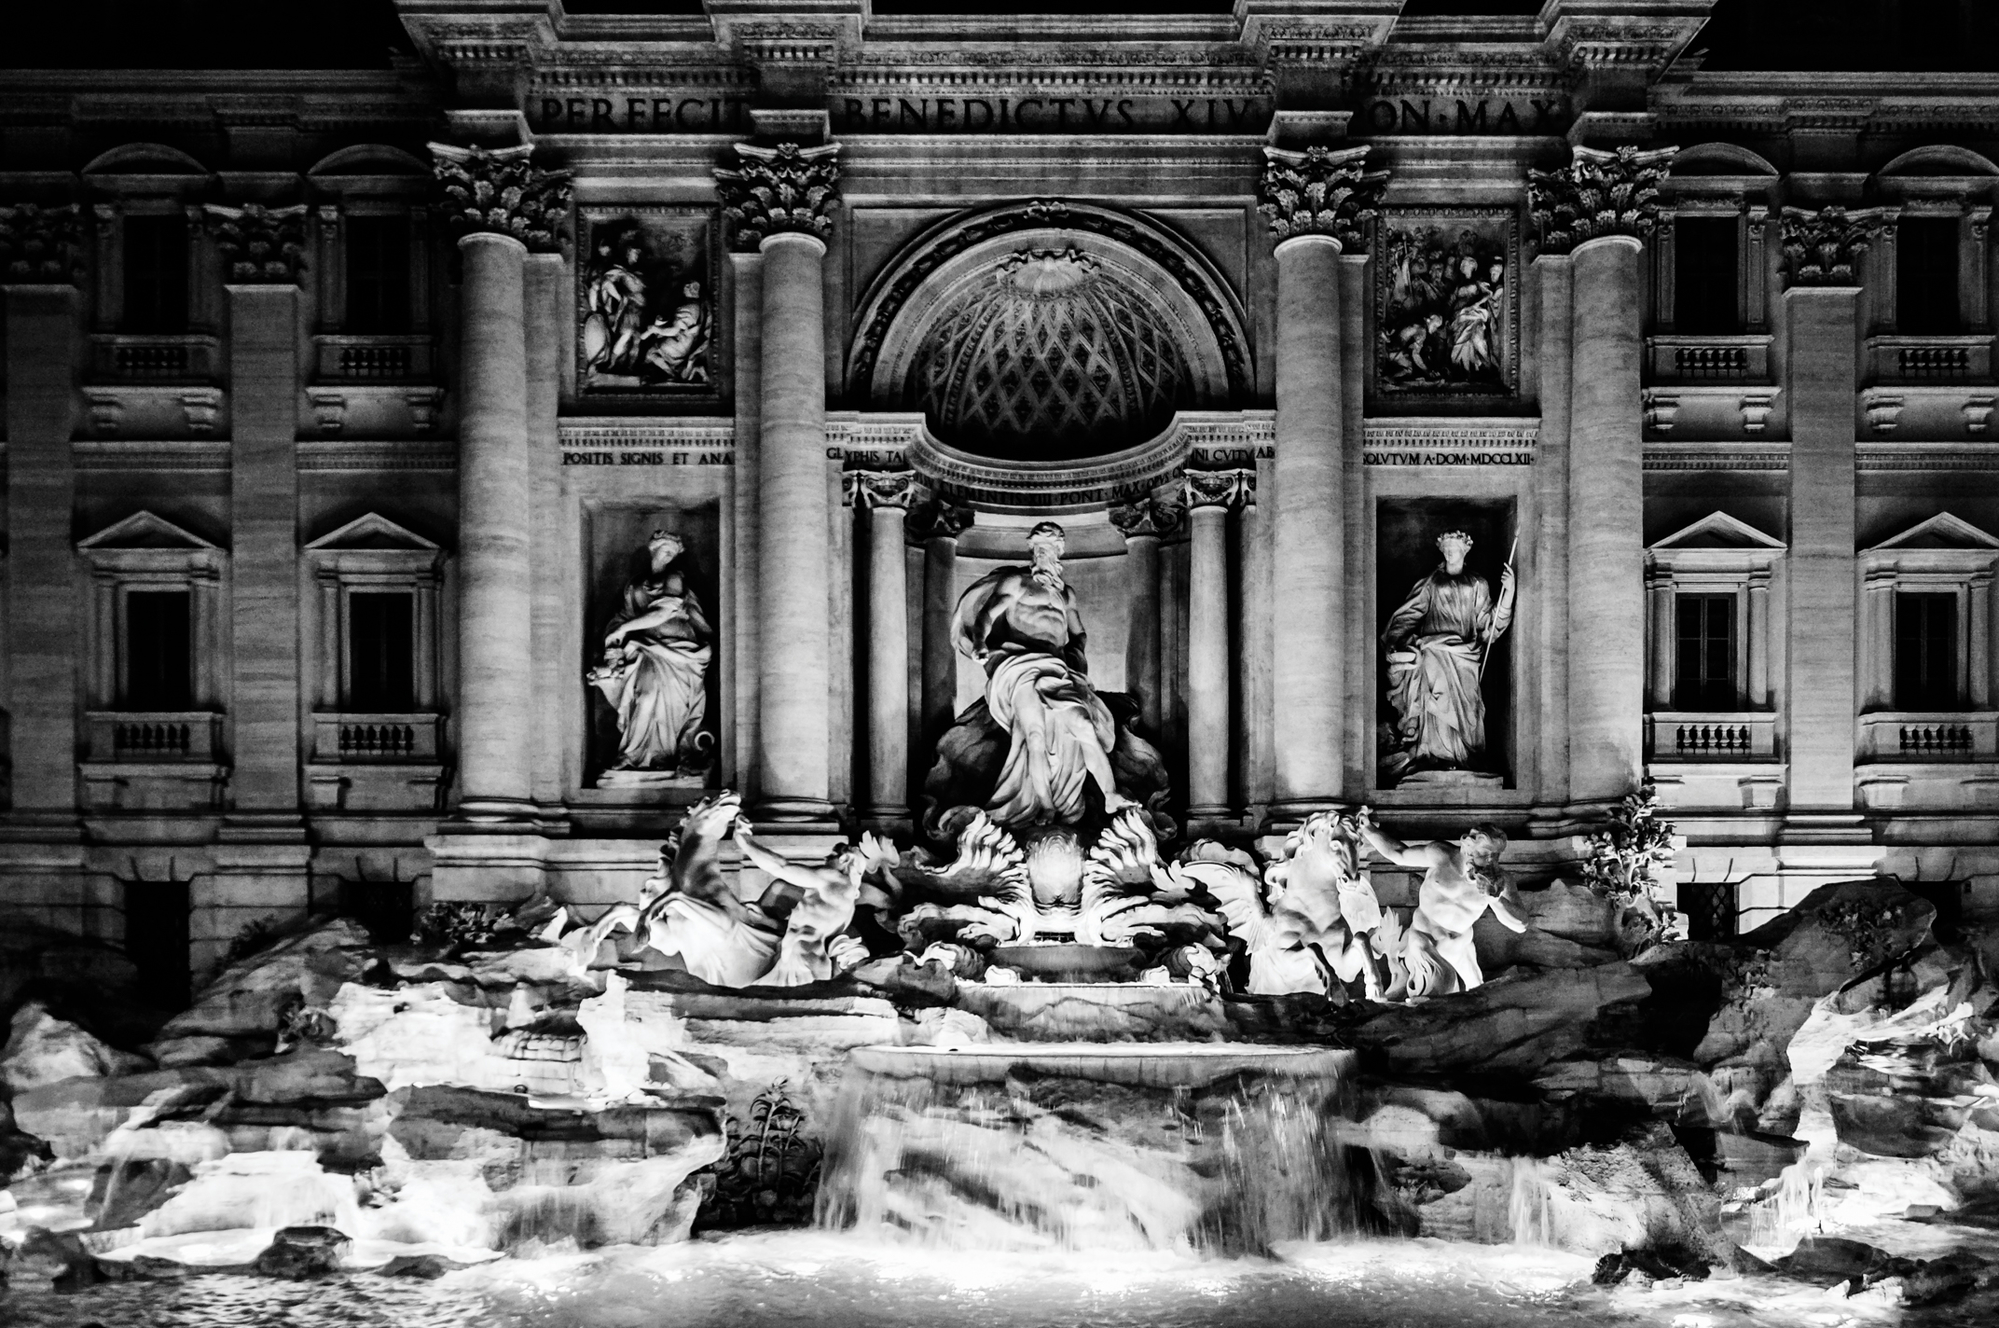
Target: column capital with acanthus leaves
783	190
1822	247
1320	191
40	245
499	191
1602	191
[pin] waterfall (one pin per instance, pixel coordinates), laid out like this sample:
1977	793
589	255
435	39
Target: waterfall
1091	1147
1529	1202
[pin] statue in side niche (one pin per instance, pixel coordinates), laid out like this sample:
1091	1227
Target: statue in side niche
1461	880
1437	644
654	671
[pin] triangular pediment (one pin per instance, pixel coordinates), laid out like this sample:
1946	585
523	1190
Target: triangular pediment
373	531
1719	530
1942	531
145	530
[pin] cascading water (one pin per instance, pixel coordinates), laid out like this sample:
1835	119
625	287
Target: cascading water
1087	1146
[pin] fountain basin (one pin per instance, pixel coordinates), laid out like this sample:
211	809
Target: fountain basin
1097	1011
1138	1065
1088	1146
1068	961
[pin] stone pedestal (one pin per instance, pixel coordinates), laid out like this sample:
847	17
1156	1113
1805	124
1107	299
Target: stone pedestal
1308	574
264	712
1606	643
496	687
41	555
794	557
1819	657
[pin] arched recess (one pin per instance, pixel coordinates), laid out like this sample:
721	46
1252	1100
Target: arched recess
1720	159
144	159
1103	315
1939	159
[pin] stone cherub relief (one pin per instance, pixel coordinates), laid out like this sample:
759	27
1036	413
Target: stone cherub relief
1437	644
654	671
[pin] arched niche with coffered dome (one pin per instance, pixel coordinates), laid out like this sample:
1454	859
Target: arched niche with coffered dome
1044	332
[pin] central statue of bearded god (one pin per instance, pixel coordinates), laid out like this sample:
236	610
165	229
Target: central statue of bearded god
1059	737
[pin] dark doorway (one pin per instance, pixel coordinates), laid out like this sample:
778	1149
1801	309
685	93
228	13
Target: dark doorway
386	908
156	916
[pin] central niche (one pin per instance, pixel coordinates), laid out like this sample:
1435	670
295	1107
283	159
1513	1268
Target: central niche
1050	355
1048	332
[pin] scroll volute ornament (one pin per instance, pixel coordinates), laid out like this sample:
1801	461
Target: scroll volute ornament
262	245
1600	192
1823	247
498	191
787	189
1320	191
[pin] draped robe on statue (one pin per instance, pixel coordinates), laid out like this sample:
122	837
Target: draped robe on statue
1437	643
657	681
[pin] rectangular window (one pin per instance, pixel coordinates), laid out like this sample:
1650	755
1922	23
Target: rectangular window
381	652
1926	652
1705	280
1926	276
378	275
1704	673
159	650
156	274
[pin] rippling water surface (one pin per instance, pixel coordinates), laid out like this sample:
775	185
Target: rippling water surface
840	1281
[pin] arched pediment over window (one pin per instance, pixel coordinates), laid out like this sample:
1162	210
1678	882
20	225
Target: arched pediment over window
1049	331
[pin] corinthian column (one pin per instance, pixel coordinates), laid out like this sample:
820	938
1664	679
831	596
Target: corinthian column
505	207
1316	201
1598	208
1142	523
1821	253
887	496
1210	495
780	200
38	262
261	248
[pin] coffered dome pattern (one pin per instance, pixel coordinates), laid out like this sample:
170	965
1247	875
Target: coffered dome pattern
1049	355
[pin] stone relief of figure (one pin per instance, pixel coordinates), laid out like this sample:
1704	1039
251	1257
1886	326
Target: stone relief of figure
1437	644
675	349
1443	305
614	302
1024	626
654	671
1461	880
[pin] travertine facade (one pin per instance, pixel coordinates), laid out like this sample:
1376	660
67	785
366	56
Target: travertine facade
341	408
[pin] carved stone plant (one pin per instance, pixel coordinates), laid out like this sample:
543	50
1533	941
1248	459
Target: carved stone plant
1823	248
499	191
1598	193
785	189
40	244
261	244
770	1174
1320	191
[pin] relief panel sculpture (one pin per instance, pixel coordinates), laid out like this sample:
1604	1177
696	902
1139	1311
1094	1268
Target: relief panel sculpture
1445	308
645	302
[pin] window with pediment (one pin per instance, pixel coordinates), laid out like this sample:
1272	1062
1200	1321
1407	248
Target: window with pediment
375	626
154	637
1711	260
156	300
1926	644
1709	588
